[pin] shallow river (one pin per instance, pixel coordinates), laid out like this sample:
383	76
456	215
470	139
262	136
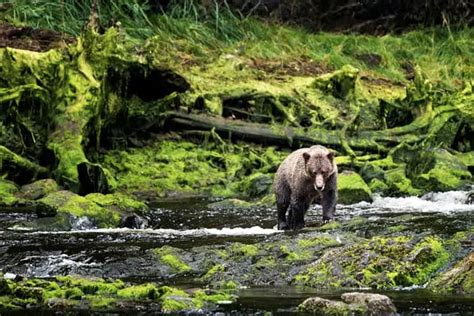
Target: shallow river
120	253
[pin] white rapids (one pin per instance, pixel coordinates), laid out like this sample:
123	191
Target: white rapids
440	202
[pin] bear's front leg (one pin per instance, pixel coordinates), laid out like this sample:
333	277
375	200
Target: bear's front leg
296	211
328	202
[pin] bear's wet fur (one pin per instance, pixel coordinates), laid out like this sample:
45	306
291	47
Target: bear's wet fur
304	175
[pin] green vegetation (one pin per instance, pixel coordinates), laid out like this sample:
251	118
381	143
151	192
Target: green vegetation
98	294
391	262
169	257
443	54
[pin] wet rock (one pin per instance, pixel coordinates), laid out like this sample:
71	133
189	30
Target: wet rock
104	210
133	221
38	189
353	303
323	306
230	203
34	207
459	279
352	188
470	198
377	304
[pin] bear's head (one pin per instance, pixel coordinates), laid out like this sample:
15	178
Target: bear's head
319	165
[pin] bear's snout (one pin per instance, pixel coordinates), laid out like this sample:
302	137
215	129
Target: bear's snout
319	182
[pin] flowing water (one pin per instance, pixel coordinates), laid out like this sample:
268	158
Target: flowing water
122	253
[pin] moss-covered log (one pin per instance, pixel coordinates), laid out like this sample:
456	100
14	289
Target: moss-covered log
18	168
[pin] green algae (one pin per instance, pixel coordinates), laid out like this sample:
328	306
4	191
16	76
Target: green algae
169	256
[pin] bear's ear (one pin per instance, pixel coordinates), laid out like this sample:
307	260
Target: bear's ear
306	156
330	155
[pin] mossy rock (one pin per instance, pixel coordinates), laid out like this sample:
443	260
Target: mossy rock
78	206
38	189
352	188
379	262
8	190
118	202
438	170
459	279
378	186
398	183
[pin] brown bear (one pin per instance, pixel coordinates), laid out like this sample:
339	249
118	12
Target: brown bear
304	175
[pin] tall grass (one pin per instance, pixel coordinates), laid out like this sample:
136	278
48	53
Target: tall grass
204	32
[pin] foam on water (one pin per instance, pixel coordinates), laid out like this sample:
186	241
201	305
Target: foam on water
238	231
443	202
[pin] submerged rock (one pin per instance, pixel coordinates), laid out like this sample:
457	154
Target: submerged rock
353	303
377	304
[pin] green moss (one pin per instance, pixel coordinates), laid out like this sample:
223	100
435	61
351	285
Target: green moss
332	225
439	171
203	297
398	183
458	279
91	286
352	188
38	189
378	186
98	302
244	250
213	271
320	241
296	255
118	201
169	257
397	228
7	192
71	203
174	300
139	292
390	261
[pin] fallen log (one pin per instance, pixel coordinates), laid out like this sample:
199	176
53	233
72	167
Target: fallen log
19	169
271	135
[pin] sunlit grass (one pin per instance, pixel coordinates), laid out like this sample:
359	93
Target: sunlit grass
205	33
